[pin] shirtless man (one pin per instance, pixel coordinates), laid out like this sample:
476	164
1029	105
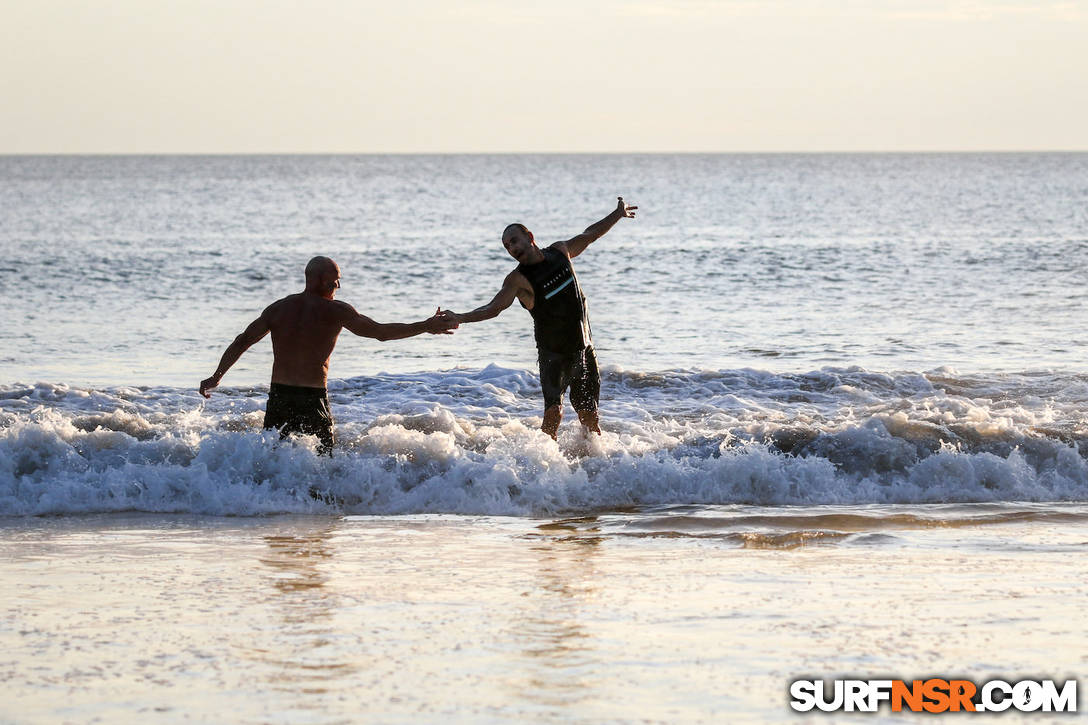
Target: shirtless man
304	329
545	284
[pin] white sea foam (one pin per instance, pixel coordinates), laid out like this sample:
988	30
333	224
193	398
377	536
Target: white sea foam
466	441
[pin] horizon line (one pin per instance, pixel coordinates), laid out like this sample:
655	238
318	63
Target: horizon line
5	154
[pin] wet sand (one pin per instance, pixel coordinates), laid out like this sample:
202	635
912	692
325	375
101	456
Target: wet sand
151	618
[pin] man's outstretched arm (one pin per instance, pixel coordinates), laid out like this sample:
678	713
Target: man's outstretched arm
498	303
252	334
577	245
441	323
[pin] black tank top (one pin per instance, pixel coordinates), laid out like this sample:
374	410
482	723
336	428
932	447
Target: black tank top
560	320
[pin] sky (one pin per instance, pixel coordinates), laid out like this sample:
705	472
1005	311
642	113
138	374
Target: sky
341	76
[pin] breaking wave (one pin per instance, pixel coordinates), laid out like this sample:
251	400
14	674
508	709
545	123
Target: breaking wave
466	442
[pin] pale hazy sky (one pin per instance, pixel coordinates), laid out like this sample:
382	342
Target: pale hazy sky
238	76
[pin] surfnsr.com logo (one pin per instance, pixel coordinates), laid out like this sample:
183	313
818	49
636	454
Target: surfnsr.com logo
933	695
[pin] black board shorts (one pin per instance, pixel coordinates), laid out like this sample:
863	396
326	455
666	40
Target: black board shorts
298	409
576	370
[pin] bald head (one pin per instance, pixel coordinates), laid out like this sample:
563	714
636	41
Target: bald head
319	266
322	276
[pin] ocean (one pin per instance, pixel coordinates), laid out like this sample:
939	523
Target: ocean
844	413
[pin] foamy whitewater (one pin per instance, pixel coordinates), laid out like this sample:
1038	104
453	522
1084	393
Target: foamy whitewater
466	442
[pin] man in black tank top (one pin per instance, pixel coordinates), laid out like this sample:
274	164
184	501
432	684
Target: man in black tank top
545	284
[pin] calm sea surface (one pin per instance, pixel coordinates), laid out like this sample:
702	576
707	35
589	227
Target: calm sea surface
138	270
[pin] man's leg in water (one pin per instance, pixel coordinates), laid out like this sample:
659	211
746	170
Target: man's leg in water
590	419
585	390
300	410
552	416
555	373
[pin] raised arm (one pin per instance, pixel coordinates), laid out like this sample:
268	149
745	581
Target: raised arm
577	245
441	323
513	286
251	335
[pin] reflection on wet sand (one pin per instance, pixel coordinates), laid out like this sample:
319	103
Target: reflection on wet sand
310	660
556	642
295	559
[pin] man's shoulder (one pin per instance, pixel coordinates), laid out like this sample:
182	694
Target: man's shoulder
559	248
516	278
337	312
281	303
341	307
